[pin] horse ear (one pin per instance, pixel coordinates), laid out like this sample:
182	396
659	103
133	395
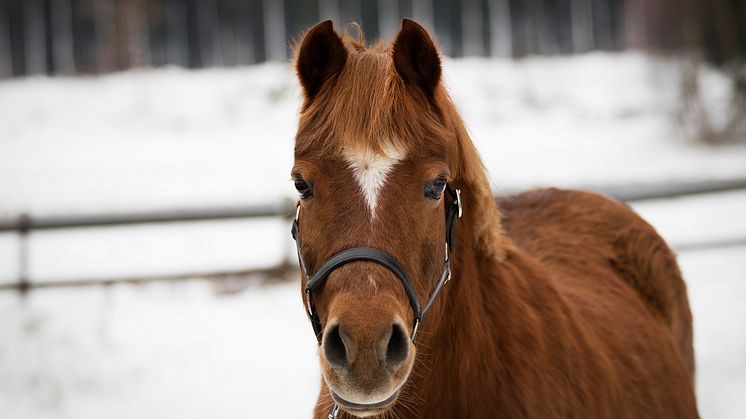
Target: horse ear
321	56
415	57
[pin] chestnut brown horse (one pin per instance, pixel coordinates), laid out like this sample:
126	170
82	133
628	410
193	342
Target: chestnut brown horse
560	303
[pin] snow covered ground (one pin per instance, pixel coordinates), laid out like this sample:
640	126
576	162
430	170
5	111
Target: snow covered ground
172	138
181	350
169	139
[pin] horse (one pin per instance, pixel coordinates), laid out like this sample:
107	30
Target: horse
431	298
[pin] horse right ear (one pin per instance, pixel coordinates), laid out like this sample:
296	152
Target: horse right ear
321	56
415	57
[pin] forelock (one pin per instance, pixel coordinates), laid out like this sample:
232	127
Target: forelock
368	106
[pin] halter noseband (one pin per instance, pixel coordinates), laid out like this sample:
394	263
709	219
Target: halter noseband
380	257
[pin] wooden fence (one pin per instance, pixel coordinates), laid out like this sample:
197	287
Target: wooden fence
25	224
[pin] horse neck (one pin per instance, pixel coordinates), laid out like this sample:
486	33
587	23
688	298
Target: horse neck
484	309
475	264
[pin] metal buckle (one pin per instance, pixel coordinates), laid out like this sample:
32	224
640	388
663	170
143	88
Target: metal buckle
458	202
335	411
297	211
308	303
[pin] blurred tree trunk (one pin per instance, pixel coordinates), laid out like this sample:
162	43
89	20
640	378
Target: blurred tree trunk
388	18
603	25
6	61
227	35
447	22
501	37
176	33
544	38
635	24
582	25
714	34
275	44
422	12
35	34
209	37
472	28
105	29
351	11
246	51
727	21
329	9
526	28
136	51
63	57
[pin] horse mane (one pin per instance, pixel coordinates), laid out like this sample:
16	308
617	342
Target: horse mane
387	114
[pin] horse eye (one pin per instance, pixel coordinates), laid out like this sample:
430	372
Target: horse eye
434	189
303	188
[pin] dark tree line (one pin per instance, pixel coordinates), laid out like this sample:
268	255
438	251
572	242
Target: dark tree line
98	36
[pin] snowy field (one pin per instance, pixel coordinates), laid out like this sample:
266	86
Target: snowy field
171	139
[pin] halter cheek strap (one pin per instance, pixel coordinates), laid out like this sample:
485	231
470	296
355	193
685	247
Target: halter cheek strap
382	258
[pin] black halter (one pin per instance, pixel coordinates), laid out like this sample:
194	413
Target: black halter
382	258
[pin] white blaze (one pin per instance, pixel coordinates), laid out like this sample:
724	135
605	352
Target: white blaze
371	169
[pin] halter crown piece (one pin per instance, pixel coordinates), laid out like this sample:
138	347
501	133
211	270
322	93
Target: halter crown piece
380	257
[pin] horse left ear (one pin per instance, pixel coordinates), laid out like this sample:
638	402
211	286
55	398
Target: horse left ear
415	57
321	56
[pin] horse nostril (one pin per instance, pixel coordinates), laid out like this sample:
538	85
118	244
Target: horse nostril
398	347
334	347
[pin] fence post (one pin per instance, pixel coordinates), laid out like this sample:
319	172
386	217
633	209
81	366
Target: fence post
24	225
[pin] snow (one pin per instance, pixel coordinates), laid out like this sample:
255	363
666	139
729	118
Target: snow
716	282
8	259
171	139
157	351
164	138
213	246
705	218
183	350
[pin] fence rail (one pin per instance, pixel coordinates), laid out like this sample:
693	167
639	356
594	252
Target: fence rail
24	224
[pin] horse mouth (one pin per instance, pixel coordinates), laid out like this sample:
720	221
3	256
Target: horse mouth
361	408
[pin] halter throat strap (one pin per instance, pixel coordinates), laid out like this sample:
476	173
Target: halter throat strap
382	258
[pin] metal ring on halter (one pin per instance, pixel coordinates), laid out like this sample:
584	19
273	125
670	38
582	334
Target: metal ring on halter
308	303
414	329
458	202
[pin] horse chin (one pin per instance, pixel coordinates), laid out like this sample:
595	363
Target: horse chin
363	410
